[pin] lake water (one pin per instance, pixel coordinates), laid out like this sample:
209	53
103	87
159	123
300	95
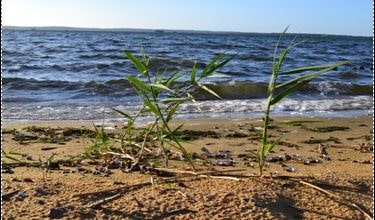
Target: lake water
73	75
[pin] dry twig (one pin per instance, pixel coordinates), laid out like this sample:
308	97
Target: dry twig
337	197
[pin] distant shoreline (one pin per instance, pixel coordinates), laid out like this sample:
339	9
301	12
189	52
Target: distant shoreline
159	31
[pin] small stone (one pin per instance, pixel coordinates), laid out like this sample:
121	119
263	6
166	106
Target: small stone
290	169
57	212
288	157
29	158
15	179
40	202
117	182
40	192
21	196
7	170
28	180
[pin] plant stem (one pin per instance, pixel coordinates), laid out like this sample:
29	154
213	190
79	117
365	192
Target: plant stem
144	142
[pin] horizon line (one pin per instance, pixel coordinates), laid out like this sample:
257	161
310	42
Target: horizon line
159	29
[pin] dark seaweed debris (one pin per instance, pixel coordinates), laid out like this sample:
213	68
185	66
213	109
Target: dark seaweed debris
327	129
193	135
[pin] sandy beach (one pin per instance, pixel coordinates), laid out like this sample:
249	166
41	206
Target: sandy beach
332	154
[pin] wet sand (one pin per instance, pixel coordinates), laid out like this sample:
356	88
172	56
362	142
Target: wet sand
344	171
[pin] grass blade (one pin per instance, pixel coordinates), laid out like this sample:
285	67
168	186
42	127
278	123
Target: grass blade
313	68
138	83
270	146
152	107
122	113
138	64
161	86
174	77
168	100
213	65
172	111
208	90
290	90
307	76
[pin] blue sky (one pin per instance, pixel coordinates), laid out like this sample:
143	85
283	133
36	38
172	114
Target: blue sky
348	17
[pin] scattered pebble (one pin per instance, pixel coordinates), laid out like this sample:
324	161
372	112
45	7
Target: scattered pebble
288	157
117	182
40	192
15	179
40	202
224	163
57	212
290	169
7	170
48	148
248	164
28	180
21	196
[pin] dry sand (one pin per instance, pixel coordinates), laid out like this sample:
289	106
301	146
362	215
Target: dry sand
68	191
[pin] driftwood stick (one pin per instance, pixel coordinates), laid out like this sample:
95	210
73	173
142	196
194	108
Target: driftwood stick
123	155
104	200
225	177
139	185
198	173
337	197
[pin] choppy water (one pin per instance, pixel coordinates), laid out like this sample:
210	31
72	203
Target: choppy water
54	75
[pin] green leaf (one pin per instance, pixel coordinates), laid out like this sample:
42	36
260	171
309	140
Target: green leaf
175	76
278	42
290	90
123	113
167	100
270	146
208	90
313	68
214	65
138	83
275	70
138	64
281	60
307	76
173	110
176	129
152	107
161	86
12	158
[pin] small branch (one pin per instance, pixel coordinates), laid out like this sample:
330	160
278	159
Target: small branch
105	200
183	194
144	143
198	173
225	177
124	155
337	197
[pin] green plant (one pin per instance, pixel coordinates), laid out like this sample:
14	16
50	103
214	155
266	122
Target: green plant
161	96
11	155
100	145
278	91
